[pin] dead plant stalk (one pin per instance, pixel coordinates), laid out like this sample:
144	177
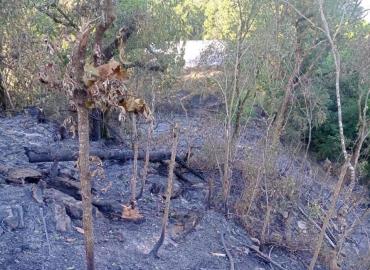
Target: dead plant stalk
175	133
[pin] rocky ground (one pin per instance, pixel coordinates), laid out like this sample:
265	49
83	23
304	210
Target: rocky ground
41	222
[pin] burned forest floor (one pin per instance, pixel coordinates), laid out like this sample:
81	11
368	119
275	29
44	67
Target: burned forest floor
40	207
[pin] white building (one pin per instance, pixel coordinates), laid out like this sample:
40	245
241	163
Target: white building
198	53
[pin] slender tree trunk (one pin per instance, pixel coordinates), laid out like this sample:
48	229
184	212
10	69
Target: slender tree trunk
74	75
135	149
280	119
266	223
147	158
356	154
361	137
226	176
291	85
363	133
230	103
238	115
83	163
2	94
154	251
336	57
347	158
96	124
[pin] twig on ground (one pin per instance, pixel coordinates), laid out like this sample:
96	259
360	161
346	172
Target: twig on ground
183	164
45	229
265	257
228	253
329	237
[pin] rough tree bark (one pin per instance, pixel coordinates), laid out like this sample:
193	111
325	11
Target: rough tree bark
154	251
74	77
135	149
83	163
2	95
147	158
96	124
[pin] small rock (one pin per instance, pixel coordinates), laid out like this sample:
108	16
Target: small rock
73	206
1	231
120	236
276	237
11	221
12	217
68	173
19	212
37	194
302	226
256	241
4	169
159	186
17	250
62	220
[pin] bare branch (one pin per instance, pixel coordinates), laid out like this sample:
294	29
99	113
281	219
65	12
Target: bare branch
69	20
303	16
68	23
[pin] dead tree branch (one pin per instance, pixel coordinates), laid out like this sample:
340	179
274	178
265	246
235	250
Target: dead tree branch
228	253
154	251
265	257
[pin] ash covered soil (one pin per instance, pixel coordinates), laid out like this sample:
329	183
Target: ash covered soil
41	222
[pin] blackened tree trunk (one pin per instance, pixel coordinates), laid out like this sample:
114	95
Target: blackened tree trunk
2	95
96	124
147	158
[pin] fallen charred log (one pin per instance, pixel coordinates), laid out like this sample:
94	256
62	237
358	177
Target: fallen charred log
52	155
36	155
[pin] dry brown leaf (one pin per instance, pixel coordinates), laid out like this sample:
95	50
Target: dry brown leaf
80	230
131	214
135	105
112	71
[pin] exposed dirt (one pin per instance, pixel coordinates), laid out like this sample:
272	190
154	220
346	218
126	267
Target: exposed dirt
40	230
